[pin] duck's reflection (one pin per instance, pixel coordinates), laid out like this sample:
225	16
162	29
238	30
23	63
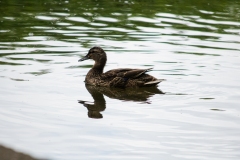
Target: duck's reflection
128	94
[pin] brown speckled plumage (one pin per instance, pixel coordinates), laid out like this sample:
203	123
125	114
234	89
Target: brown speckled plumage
122	77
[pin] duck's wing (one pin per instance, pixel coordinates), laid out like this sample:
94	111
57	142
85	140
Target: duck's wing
125	73
124	77
128	77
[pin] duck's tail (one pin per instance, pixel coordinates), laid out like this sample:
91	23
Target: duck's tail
153	83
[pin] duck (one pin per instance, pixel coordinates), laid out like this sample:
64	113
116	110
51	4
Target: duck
117	78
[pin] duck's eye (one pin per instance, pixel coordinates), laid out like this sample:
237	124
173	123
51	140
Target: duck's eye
89	55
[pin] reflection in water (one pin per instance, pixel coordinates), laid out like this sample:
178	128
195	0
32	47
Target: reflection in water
97	106
128	94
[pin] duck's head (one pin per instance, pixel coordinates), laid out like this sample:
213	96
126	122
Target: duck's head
97	54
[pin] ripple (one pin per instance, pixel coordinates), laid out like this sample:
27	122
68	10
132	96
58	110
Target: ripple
206	12
217	110
98	24
235	31
10	63
106	19
36	38
207	98
14	79
4	31
166	15
116	14
209	21
9	18
117	29
79	28
47	18
88	13
60	14
39	73
29	59
77	19
143	19
63	24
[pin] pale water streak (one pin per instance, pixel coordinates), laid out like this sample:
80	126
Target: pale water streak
195	46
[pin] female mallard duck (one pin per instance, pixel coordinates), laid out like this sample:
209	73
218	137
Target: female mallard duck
122	77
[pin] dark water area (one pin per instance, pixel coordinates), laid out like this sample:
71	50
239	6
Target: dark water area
47	111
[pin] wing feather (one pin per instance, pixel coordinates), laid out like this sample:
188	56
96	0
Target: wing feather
125	73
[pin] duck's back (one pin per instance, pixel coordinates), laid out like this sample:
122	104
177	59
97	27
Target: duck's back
128	77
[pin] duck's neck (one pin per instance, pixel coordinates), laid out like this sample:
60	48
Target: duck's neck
99	66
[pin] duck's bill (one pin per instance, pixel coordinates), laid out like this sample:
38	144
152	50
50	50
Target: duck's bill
83	59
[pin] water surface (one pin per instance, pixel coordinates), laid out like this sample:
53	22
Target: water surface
194	45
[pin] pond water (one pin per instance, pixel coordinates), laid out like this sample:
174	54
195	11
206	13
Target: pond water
194	45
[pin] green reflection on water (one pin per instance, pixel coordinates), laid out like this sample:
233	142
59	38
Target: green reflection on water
19	18
41	72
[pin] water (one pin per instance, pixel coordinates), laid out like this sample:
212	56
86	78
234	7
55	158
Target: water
194	45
